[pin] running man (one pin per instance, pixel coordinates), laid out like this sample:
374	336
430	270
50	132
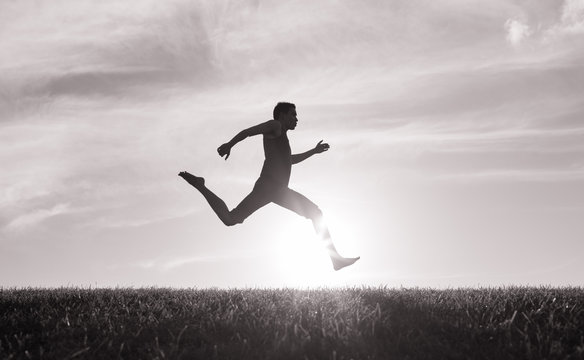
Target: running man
272	185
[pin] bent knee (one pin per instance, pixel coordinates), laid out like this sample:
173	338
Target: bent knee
232	220
314	214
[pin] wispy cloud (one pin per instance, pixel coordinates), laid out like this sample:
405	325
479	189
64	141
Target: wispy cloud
517	31
88	50
38	216
511	176
137	220
548	23
168	264
572	20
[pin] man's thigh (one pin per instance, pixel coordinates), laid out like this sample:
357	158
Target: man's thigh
297	202
257	198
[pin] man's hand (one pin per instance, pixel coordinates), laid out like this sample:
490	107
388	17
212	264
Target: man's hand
224	149
320	147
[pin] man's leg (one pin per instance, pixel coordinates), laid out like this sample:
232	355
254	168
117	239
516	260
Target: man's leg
301	205
257	198
251	203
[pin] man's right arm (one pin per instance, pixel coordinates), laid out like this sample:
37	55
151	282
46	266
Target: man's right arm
267	127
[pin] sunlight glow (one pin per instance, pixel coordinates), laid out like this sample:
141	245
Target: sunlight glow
301	259
301	256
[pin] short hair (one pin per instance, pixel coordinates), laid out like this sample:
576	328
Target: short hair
282	107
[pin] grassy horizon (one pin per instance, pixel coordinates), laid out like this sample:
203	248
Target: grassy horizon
288	323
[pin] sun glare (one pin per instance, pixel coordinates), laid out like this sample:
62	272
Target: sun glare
302	259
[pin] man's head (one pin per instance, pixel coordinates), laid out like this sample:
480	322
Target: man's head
286	114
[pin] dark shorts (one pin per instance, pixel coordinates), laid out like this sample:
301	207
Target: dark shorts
265	192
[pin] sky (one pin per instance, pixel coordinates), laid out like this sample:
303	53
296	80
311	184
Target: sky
456	130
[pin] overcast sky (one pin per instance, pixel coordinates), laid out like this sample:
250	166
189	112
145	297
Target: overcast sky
456	130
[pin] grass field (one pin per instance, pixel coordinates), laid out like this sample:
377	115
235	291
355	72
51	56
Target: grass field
351	323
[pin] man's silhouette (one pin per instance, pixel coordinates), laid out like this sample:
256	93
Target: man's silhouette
272	185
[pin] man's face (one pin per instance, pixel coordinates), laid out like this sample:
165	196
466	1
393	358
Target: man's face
289	119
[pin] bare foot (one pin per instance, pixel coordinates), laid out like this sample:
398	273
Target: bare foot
196	181
340	263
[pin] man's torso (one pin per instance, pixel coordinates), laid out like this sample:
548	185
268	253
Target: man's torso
278	163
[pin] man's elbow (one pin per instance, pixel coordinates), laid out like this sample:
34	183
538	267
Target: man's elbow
245	134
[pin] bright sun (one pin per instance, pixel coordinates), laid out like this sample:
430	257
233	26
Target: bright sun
301	257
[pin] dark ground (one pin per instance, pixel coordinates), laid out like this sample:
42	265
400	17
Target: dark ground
351	323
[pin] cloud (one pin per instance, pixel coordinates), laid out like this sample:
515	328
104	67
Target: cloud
551	23
171	264
513	176
573	16
106	83
144	220
38	216
517	31
83	49
569	24
500	96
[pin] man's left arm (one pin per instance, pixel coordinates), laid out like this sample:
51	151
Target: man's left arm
319	148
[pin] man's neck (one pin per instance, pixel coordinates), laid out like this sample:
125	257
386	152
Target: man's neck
284	128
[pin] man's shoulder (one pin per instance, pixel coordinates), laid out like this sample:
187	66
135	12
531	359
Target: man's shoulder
275	129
